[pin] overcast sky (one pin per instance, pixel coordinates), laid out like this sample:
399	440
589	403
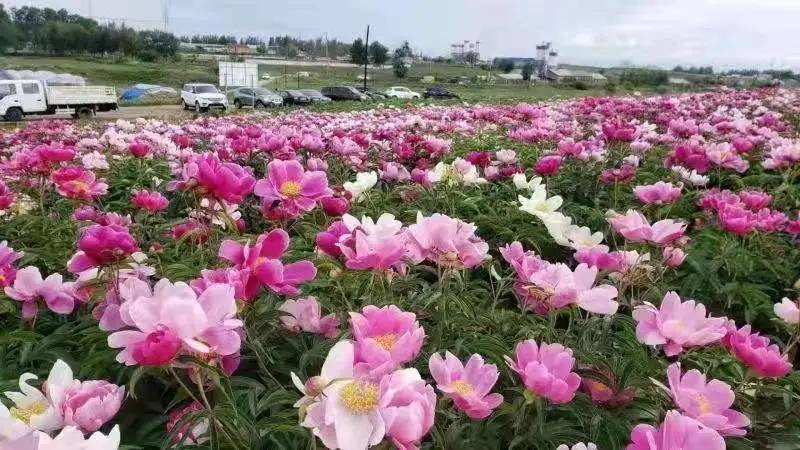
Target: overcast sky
723	33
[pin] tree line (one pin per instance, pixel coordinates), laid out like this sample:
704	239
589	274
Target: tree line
46	30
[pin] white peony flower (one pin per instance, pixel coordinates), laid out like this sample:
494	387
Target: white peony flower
539	204
364	182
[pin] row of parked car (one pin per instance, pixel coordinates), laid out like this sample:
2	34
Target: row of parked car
202	97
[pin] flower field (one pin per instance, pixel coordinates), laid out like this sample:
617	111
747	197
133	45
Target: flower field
602	273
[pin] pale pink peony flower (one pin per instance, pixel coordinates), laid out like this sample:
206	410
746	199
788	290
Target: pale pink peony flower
385	338
756	351
297	190
634	227
677	325
89	404
373	245
657	193
788	311
469	387
677	432
546	370
708	403
556	286
408	406
176	320
450	243
673	256
305	314
28	287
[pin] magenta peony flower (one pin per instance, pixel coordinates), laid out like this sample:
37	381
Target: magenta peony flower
305	314
8	258
677	432
328	241
468	386
55	153
296	190
600	257
151	201
101	245
408	406
548	165
546	371
192	231
385	338
708	403
335	206
85	212
677	325
6	196
90	404
450	243
175	320
236	278
263	262
223	181
756	352
657	193
139	149
28	287
199	431
79	184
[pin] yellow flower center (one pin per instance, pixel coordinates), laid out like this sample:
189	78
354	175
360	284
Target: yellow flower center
360	397
81	186
386	341
462	387
290	189
703	404
26	414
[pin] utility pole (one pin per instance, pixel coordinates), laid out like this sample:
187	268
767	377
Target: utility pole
327	58
366	58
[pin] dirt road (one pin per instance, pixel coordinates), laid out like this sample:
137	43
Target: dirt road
133	112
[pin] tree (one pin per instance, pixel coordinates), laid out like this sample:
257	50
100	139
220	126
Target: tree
399	65
405	50
505	64
471	58
378	53
358	52
527	71
292	51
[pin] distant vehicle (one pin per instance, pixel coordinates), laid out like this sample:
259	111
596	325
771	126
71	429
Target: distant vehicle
19	98
343	93
292	97
462	80
316	96
372	93
438	92
401	92
202	97
256	97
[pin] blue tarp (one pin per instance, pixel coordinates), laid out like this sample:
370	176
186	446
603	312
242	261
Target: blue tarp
140	90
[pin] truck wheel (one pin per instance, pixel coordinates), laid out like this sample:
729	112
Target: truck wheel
84	113
13	115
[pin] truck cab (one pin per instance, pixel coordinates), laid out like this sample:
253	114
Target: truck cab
20	97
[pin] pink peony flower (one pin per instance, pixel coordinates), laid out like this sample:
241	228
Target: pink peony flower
151	201
192	231
263	261
657	193
373	245
196	432
6	196
548	165
756	352
385	338
408	406
547	370
634	227
101	245
788	311
677	432
468	386
79	184
28	287
55	153
8	258
335	206
556	286
673	256
676	325
296	190
328	241
708	403
139	149
223	181
666	231
600	257
236	278
85	212
450	243
305	314
175	320
90	404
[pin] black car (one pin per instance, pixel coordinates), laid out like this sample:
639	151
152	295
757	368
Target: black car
292	97
372	93
438	92
316	96
343	93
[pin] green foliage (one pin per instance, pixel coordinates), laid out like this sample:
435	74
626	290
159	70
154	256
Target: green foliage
358	54
378	53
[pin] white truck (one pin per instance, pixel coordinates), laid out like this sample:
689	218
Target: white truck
19	98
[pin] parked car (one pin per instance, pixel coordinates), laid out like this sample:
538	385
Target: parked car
438	92
401	92
343	93
372	93
293	97
462	80
22	97
316	96
202	97
256	97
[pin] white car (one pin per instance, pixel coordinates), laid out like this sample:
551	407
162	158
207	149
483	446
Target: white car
201	97
401	92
